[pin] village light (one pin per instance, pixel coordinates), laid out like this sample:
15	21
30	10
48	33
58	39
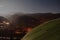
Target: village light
6	22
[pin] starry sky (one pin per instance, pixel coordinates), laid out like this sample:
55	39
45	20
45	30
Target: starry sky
29	6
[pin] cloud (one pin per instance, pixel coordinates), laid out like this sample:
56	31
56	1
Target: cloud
1	6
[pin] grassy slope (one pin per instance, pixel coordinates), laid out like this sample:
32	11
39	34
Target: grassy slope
47	31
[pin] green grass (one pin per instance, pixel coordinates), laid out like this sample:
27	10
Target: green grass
48	31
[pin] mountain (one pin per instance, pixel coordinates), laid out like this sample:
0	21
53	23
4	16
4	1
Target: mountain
32	20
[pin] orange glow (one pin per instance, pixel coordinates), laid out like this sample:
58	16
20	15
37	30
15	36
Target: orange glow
27	29
17	32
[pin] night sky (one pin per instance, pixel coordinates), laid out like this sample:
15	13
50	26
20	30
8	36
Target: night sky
29	6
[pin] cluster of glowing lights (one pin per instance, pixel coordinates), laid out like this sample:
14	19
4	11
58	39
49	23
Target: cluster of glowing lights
6	22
